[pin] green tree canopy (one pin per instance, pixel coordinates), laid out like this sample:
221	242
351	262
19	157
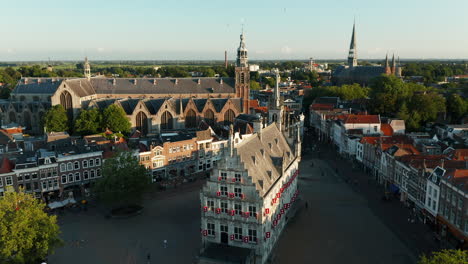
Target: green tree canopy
124	180
27	233
55	119
456	106
254	85
88	122
446	257
115	119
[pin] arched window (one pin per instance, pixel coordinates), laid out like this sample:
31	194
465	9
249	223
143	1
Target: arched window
63	167
209	117
27	120
66	100
191	119
229	117
142	123
76	164
166	120
69	166
12	116
242	77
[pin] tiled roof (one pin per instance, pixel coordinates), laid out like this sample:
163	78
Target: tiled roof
318	106
362	119
163	85
369	140
386	129
254	103
263	158
461	154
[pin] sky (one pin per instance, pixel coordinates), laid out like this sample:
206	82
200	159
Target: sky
204	29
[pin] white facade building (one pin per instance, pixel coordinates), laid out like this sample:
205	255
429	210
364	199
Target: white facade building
246	200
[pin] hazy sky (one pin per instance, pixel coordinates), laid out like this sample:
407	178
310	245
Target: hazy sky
203	29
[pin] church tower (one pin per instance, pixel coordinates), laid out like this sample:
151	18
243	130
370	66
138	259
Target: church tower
388	71
243	76
87	69
352	57
393	65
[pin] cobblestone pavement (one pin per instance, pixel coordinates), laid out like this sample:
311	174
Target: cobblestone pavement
171	215
339	225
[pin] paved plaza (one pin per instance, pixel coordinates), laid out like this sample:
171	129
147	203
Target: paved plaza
339	226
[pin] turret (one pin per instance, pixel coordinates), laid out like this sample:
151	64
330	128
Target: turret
243	76
87	69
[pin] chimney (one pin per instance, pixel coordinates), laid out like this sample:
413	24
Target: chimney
220	80
154	81
135	82
114	81
176	81
199	81
25	80
257	126
225	59
38	80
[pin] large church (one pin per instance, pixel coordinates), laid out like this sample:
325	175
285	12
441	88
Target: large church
354	73
151	104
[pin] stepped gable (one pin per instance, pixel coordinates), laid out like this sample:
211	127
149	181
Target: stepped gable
163	85
265	157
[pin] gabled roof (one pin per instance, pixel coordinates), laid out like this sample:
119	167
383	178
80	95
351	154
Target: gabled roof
163	85
154	105
318	106
129	105
200	104
218	103
263	157
29	85
386	129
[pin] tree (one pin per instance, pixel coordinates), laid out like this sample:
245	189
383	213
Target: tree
115	119
254	85
403	113
124	180
456	106
55	119
88	122
446	256
27	233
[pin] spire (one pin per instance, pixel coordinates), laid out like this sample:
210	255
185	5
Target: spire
393	65
352	57
386	61
242	60
277	90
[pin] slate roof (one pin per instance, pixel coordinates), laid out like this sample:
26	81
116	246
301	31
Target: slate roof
163	85
103	103
200	104
154	105
218	103
129	105
82	87
260	166
37	85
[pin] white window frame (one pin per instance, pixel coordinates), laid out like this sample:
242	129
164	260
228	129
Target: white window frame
97	162
63	167
64	176
85	163
91	163
238	233
8	179
85	175
211	229
69	166
77	176
76	165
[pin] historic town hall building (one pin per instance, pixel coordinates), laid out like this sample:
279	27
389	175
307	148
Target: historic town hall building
151	104
246	200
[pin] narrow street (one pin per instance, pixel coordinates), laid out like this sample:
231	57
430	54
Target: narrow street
342	223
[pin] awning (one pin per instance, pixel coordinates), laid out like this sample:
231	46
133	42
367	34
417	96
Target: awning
63	203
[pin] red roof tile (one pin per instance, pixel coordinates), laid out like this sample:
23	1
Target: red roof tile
386	129
254	103
461	154
321	106
362	119
369	140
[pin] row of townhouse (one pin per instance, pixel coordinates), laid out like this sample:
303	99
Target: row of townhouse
426	174
51	176
181	154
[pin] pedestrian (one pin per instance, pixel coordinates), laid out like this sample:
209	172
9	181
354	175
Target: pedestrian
148	258
165	243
